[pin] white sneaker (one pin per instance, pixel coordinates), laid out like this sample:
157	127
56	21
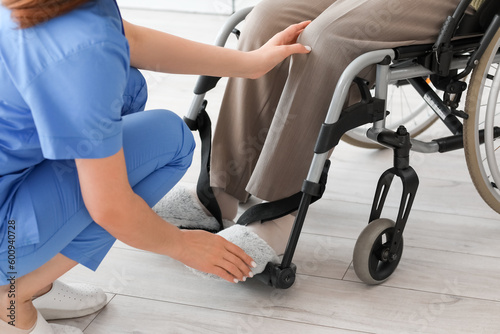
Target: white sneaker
65	301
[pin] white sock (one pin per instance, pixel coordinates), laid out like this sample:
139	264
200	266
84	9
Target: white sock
5	328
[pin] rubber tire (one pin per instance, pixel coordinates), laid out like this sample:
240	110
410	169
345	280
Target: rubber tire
363	250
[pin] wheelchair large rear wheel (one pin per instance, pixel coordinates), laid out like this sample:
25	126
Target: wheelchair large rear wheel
406	108
483	106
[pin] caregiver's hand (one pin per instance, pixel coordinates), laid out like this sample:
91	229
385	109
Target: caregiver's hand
279	47
213	254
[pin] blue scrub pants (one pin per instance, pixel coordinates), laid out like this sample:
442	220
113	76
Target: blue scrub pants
158	149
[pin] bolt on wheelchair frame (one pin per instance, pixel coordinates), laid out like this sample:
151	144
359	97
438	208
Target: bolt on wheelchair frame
373	262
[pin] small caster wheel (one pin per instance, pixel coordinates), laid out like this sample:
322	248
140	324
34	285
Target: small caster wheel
283	278
371	259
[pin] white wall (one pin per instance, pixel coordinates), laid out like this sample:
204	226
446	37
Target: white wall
196	6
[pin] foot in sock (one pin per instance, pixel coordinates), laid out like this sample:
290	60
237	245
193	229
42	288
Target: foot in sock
182	208
262	242
251	243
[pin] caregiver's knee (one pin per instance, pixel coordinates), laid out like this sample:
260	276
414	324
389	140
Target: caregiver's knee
188	145
173	128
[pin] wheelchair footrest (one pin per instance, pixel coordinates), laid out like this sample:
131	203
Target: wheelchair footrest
277	277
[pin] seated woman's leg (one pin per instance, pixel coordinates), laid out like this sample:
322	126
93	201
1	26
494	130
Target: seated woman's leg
246	113
248	106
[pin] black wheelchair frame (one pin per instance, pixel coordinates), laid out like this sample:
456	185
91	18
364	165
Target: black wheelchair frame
461	43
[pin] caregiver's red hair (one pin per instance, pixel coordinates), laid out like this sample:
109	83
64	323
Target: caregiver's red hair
28	13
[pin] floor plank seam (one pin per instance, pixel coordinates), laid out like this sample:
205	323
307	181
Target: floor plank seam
346	271
99	312
235	313
406	245
423	211
384	285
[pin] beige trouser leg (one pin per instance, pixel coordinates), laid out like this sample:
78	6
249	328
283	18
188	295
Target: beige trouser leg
267	128
249	106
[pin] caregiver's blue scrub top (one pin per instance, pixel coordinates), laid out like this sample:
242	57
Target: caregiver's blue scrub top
61	87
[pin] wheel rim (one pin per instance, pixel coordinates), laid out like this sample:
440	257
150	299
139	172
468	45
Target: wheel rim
379	264
371	251
491	112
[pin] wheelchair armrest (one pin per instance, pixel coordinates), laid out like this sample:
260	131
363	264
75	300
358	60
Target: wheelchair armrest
459	46
205	83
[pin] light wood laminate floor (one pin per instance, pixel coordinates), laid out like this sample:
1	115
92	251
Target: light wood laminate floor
448	280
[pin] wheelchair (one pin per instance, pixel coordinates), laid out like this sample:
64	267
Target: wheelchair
462	62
